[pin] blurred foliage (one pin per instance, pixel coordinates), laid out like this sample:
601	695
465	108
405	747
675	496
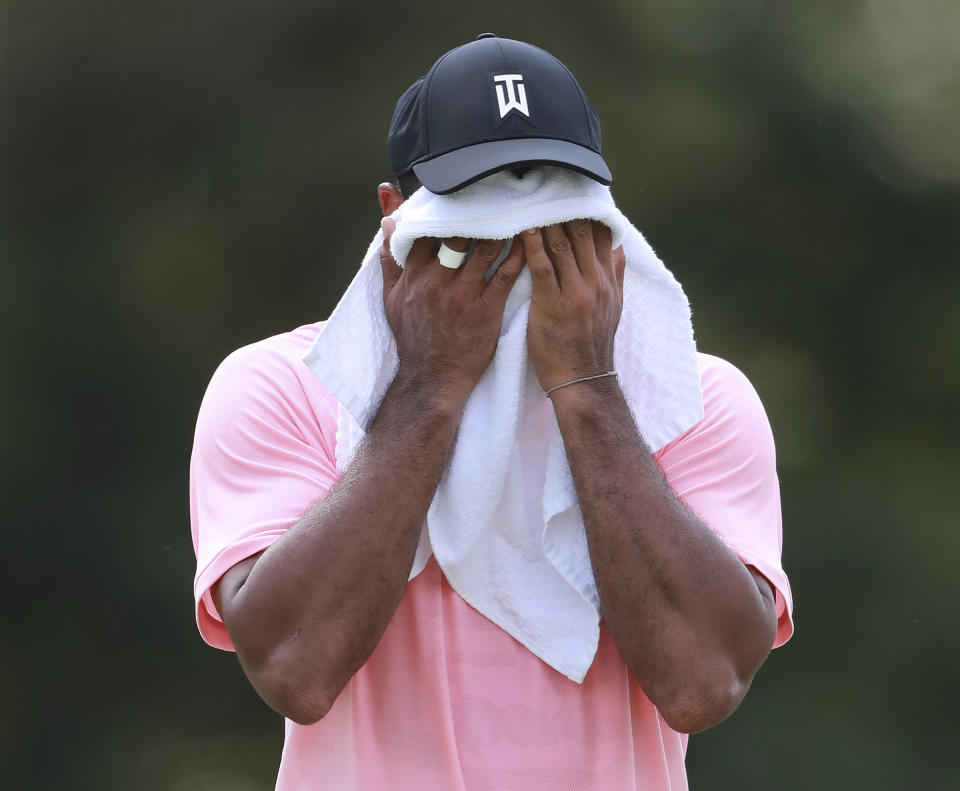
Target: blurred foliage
178	179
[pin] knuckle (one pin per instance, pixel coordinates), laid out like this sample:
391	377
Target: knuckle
488	249
578	309
540	270
580	301
460	298
582	229
560	244
431	291
503	276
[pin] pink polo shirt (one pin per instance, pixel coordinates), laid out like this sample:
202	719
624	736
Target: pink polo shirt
448	701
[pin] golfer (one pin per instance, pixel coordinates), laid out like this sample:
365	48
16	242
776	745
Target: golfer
496	524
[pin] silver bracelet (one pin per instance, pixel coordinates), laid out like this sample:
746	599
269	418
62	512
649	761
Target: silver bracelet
584	379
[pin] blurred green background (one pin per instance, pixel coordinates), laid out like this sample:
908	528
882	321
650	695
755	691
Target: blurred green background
178	179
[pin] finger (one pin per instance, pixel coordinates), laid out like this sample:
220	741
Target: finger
580	234
560	251
612	261
388	265
619	266
458	243
450	253
603	242
481	259
507	273
423	252
541	267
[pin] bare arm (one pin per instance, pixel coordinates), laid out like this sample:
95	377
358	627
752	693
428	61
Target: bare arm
307	613
692	622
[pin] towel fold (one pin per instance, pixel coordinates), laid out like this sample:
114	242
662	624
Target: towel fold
505	524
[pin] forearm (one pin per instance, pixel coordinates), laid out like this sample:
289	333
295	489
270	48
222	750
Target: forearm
688	617
316	603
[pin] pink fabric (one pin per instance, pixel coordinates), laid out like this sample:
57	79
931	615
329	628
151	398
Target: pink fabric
448	700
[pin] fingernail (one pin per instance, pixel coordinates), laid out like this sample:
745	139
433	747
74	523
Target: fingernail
389	225
531	231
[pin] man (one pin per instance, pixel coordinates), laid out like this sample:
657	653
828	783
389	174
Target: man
391	682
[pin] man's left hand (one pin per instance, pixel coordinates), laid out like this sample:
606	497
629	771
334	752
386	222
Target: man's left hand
577	297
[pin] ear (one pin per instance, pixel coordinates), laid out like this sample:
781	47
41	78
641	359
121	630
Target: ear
390	198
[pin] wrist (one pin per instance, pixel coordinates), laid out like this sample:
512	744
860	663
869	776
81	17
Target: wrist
586	396
574	380
429	393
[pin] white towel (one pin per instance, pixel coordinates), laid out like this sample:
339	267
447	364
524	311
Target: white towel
505	524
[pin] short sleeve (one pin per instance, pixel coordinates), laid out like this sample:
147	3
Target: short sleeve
724	469
263	454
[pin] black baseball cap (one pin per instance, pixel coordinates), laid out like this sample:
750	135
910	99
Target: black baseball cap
489	105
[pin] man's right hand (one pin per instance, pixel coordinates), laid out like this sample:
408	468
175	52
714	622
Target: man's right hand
446	322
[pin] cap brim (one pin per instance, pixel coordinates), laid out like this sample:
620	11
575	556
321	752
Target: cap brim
456	169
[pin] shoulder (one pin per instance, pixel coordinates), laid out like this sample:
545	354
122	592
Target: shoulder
734	423
724	385
278	357
728	395
266	380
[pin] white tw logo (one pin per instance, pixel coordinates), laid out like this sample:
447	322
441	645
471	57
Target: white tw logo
511	95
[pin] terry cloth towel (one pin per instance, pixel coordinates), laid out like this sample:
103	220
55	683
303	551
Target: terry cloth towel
505	524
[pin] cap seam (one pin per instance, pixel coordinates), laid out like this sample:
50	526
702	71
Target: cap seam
576	85
504	55
426	98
